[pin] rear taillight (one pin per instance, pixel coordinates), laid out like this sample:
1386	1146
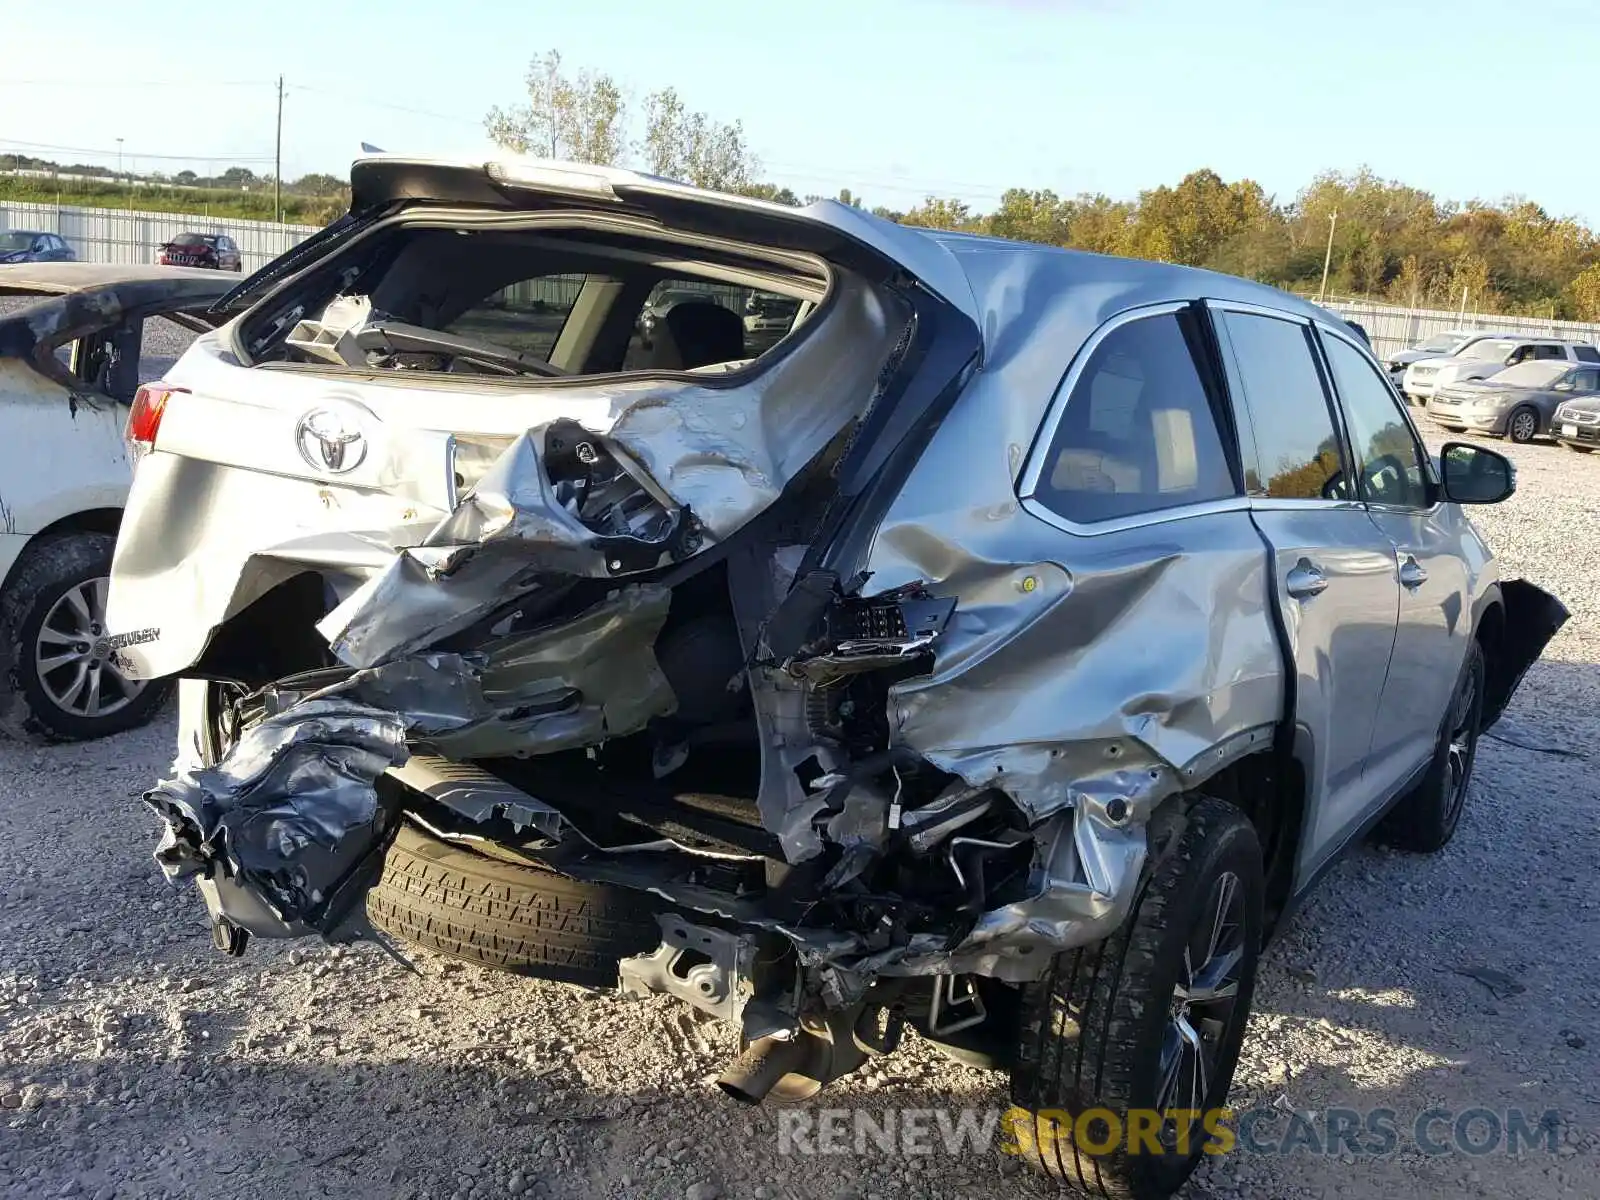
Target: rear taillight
144	418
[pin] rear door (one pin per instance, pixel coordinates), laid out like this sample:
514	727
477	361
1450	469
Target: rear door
1336	583
1433	628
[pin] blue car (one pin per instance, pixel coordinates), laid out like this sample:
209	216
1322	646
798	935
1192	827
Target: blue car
26	245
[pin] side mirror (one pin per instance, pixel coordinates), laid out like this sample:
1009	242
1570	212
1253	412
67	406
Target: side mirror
1564	386
1475	474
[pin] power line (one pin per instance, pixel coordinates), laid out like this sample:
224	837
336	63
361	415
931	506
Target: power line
416	112
127	83
227	158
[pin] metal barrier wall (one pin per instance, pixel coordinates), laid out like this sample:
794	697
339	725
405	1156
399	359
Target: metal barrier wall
1393	328
119	235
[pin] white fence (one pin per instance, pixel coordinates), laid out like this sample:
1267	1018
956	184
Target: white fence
1393	329
120	235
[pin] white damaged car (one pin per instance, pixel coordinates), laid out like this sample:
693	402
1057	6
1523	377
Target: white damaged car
71	359
1002	648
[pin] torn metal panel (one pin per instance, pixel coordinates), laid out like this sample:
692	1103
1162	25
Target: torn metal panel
1135	656
716	454
473	793
586	679
287	813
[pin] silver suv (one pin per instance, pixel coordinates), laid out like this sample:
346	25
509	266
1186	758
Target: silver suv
1003	651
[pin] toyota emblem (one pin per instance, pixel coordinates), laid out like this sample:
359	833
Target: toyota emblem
331	439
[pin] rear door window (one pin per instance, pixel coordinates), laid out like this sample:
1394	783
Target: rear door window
1297	450
1139	433
1549	352
526	316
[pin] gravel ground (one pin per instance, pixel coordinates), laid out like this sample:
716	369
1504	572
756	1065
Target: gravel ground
135	1061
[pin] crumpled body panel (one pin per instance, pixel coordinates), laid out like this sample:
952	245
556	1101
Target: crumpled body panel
966	724
289	813
234	510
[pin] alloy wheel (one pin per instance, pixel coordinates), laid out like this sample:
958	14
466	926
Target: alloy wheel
1463	747
1202	1008
1523	426
77	667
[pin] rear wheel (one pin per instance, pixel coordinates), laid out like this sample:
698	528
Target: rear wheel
1522	425
63	680
1120	1038
1425	818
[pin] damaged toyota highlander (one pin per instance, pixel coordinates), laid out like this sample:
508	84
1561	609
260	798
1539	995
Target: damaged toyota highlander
1001	649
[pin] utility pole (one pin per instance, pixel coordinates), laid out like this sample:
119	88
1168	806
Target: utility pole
277	161
1327	259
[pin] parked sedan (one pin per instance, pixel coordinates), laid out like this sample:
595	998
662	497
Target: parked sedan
29	245
1577	424
808	698
1518	403
214	251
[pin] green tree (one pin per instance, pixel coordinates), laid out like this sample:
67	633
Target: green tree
769	191
582	117
937	213
1029	216
1583	294
681	143
317	184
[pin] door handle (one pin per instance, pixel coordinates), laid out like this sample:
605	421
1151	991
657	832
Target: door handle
1306	580
1412	573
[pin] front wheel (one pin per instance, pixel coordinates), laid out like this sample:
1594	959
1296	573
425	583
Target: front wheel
1125	1045
64	681
1425	818
1522	426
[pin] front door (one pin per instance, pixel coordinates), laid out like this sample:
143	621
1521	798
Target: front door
1434	630
1338	591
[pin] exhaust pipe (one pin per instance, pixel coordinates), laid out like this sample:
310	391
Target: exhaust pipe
763	1064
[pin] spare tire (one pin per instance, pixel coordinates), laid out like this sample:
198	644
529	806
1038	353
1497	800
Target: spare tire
513	917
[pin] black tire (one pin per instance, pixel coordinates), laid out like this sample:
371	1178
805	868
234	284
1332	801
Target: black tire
506	915
1522	426
1094	1030
1425	818
48	570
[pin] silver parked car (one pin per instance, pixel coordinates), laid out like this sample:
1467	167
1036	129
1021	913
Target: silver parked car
1003	652
1518	403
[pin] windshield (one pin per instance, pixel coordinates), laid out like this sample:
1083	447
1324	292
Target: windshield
191	239
1531	374
1443	343
20	240
1489	350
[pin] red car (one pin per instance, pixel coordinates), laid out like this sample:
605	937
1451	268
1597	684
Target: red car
215	250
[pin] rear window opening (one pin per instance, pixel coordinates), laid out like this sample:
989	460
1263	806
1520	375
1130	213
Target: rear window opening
497	304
